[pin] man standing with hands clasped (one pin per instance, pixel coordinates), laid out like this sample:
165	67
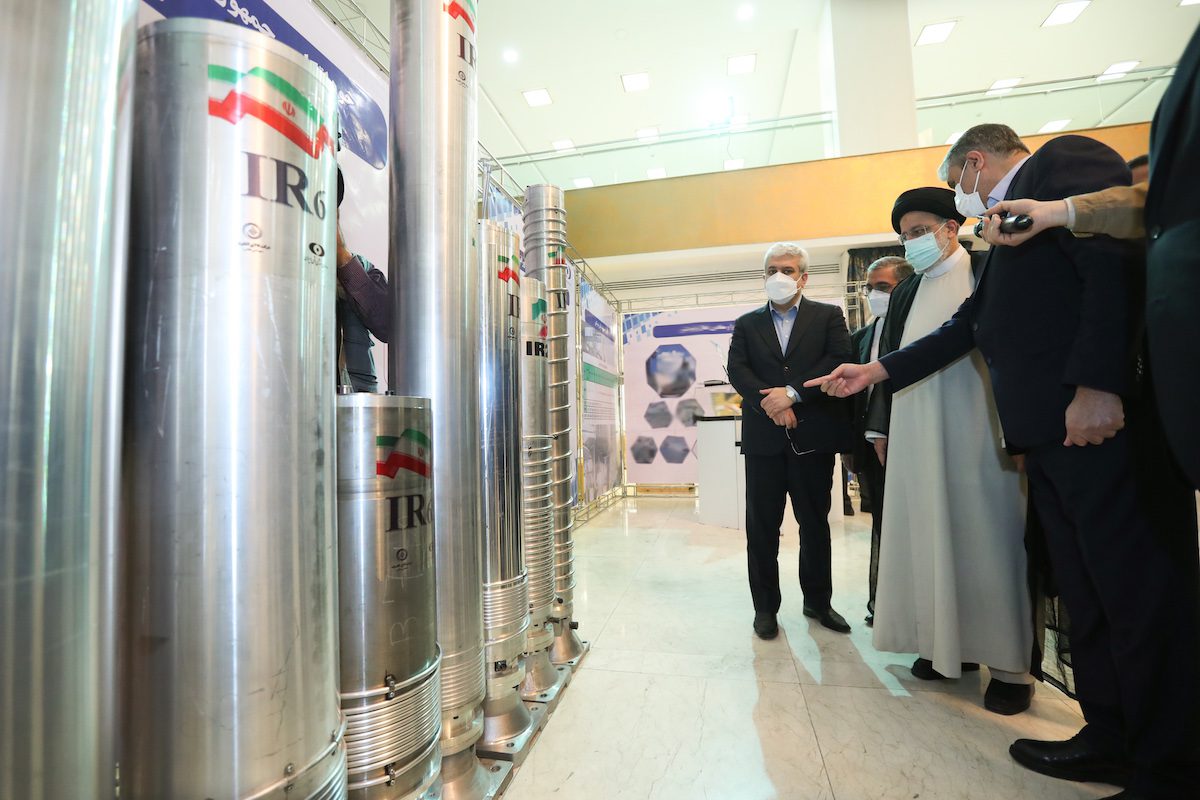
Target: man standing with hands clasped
789	433
1055	321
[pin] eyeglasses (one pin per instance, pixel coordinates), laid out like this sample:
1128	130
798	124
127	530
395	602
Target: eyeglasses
867	288
918	232
788	433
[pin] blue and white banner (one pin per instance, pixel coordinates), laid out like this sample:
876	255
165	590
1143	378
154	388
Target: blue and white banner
362	119
669	356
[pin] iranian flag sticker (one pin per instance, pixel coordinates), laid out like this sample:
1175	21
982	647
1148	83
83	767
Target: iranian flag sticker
408	451
269	98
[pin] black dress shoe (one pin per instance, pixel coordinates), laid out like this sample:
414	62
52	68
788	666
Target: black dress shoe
923	669
1072	760
828	617
765	626
870	620
1007	698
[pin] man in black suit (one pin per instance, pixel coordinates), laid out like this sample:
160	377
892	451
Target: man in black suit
884	275
1055	319
789	433
1166	213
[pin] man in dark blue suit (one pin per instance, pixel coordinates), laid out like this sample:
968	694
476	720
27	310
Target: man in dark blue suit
1057	321
789	433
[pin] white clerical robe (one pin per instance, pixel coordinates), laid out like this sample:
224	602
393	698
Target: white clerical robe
952	572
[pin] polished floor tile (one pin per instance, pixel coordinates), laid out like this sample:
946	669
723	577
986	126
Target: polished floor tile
679	699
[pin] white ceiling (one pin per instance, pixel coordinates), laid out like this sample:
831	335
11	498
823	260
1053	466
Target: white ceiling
578	49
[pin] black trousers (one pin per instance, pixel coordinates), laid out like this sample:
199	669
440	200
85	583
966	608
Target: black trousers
870	480
770	480
1125	560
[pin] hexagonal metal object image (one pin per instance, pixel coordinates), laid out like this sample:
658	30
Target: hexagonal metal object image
686	412
671	370
643	450
674	449
657	414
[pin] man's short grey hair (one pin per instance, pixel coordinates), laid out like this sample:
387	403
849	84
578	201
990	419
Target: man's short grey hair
999	140
782	249
901	266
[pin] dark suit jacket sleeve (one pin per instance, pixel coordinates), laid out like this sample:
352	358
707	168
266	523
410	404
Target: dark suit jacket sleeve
931	353
1074	165
837	352
741	375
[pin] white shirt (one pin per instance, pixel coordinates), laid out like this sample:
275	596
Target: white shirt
998	194
875	343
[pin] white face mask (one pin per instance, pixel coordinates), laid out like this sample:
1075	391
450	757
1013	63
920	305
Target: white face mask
878	302
924	252
969	205
780	288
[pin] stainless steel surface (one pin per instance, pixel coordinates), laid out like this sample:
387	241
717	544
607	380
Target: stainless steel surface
505	591
465	777
506	720
230	671
391	693
543	681
66	71
537	511
545	258
433	353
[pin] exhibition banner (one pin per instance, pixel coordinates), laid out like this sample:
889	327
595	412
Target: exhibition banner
600	422
669	356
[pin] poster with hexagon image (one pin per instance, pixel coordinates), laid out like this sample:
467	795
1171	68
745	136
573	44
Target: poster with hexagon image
668	357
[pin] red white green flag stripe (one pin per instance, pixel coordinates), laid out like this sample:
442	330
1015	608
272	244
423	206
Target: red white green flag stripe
464	11
506	273
269	98
539	312
408	451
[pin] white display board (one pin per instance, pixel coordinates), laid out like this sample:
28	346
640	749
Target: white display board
362	109
668	356
600	419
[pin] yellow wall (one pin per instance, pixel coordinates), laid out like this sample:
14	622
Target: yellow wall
809	200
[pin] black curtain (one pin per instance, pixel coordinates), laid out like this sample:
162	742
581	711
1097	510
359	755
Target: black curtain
856	272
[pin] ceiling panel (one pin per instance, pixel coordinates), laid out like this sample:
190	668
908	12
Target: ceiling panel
578	49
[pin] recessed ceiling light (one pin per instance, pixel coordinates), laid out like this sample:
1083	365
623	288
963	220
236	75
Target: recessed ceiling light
510	56
734	163
746	12
563	144
739	122
655	173
954	137
742	65
583	183
1066	13
537	97
647	134
1054	126
716	108
1118	70
636	81
1003	86
935	33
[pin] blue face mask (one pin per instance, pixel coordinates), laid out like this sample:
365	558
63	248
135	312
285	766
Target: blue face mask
924	251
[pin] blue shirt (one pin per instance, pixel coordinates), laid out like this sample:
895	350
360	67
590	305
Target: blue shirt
783	324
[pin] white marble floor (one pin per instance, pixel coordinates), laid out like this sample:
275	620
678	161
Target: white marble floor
679	699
